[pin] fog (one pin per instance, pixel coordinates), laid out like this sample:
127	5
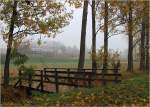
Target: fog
71	35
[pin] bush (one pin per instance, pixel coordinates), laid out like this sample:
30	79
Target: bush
113	57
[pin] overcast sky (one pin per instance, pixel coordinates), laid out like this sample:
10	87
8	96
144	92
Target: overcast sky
71	34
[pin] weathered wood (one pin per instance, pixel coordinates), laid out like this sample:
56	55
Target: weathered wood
17	83
87	69
86	73
68	74
116	66
56	81
29	92
63	77
42	86
103	77
44	73
107	80
116	73
89	80
38	85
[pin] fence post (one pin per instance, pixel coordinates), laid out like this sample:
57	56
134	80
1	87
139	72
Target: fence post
29	92
20	78
56	80
116	73
116	68
103	76
89	80
44	70
116	77
42	81
68	72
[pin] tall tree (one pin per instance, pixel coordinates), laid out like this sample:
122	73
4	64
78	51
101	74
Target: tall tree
83	35
9	45
147	34
140	13
130	38
93	36
142	45
29	18
105	36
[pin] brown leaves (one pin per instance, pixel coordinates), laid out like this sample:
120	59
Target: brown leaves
40	17
75	3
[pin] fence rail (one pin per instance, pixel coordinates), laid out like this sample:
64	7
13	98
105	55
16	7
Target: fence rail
68	76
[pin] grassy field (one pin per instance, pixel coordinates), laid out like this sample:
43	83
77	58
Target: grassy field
41	61
133	90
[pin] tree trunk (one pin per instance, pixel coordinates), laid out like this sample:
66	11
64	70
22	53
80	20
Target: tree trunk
147	35
130	44
105	37
93	37
9	46
142	46
83	36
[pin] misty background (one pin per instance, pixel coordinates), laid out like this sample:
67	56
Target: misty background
66	44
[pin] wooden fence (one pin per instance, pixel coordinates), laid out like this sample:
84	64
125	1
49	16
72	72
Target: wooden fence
67	76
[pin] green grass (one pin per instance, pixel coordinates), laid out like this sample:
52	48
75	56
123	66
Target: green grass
41	62
53	60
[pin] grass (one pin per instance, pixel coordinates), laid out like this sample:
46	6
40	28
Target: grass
40	63
128	92
52	62
134	91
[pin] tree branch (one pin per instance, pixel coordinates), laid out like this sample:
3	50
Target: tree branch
116	34
25	31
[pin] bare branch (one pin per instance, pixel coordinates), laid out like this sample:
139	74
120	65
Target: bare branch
99	29
136	42
25	31
121	32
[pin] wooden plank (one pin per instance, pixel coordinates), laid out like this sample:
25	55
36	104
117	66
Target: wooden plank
72	84
36	75
46	78
72	78
116	75
78	78
89	80
85	73
17	83
56	81
42	81
68	74
37	70
36	80
77	69
65	74
29	92
38	86
44	73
